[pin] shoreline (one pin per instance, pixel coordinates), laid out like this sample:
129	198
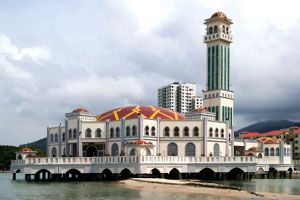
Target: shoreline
198	187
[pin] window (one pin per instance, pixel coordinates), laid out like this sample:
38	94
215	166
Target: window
217	132
186	131
132	152
56	137
147	130
216	149
266	152
148	152
166	132
277	151
190	149
153	131
117	132
222	133
134	131
196	131
215	29
210	30
176	132
272	152
115	150
88	133
210	132
74	133
70	133
172	149
111	132
63	137
51	138
98	133
127	131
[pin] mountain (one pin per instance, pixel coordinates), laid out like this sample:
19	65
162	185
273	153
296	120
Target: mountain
39	144
266	126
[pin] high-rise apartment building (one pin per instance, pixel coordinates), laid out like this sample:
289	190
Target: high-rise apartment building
177	96
197	102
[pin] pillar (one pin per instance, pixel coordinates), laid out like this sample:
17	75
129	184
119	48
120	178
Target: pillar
14	176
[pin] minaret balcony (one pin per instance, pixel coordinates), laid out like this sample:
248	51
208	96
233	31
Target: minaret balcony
217	36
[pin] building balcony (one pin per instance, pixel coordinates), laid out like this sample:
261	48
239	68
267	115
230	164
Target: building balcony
217	36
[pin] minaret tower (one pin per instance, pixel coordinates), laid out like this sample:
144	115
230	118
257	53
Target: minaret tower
218	97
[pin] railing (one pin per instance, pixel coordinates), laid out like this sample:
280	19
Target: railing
135	159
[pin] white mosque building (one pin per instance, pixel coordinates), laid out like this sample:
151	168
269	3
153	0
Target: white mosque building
164	138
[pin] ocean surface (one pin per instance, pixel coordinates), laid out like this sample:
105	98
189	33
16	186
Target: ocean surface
23	190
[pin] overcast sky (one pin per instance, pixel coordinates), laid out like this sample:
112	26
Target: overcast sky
58	55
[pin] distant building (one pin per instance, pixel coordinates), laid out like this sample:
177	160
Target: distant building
177	96
197	102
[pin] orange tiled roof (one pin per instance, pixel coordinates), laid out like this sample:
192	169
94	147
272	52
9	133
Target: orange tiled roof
147	112
78	110
26	150
250	134
140	142
253	149
267	140
219	14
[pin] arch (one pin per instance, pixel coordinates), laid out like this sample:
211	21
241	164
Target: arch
43	175
18	171
260	170
190	149
125	174
174	174
114	149
74	133
117	132
128	131
266	151
210	30
216	149
172	149
227	30
223	29
63	137
277	151
272	152
147	130
216	132
186	132
52	138
235	174
73	174
54	152
206	174
259	155
91	151
210	132
106	175
166	131
88	132
155	173
272	172
19	157
70	133
215	29
196	131
112	134
98	133
134	130
148	152
222	133
153	131
176	132
132	152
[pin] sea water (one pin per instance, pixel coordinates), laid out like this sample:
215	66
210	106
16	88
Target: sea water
23	190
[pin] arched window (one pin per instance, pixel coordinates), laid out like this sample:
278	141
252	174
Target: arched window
153	131
172	149
56	137
210	30
284	151
223	29
70	133
117	132
272	152
148	152
210	132
216	149
134	131
63	137
215	29
147	130
132	152
115	149
190	149
277	151
186	131
51	138
88	133
266	152
74	133
222	133
229	136
227	30
98	133
166	131
196	131
127	131
111	132
176	132
259	155
54	152
217	132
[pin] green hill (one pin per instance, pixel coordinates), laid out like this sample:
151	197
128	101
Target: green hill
39	144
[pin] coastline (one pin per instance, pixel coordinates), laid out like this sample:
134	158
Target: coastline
198	187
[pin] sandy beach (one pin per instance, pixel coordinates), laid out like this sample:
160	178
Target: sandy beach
198	187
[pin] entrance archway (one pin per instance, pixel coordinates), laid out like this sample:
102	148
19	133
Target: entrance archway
174	174
125	173
73	174
206	174
42	175
91	151
107	175
235	174
156	173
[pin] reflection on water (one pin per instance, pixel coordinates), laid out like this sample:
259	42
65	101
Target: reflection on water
103	190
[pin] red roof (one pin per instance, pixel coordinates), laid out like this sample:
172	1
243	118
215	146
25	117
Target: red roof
219	14
253	149
267	140
250	134
297	131
147	112
79	110
140	142
275	132
26	150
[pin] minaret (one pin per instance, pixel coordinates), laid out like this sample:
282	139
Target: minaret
218	98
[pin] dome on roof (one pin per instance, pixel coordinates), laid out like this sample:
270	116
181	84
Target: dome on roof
218	14
147	112
78	110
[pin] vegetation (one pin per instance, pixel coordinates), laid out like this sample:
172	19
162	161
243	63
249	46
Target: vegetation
39	144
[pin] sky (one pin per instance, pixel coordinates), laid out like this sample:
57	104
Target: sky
59	55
